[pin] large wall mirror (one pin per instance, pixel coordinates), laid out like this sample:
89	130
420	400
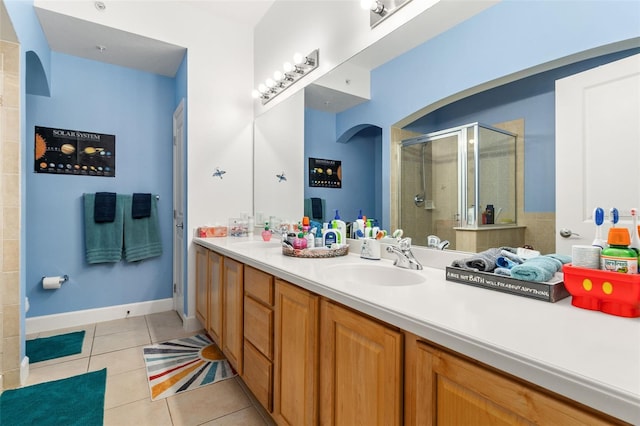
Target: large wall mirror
447	82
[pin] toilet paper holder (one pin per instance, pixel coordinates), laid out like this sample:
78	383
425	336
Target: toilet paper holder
61	279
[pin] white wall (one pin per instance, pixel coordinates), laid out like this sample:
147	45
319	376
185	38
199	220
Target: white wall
340	29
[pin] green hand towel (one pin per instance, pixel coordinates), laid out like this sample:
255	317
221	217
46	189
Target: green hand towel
141	236
103	241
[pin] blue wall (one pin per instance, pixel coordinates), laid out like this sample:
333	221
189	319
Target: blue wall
361	166
510	37
137	107
532	98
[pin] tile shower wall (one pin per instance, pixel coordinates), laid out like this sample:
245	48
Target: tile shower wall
10	214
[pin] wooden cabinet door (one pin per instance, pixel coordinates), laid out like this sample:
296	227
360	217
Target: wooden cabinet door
443	389
202	285
295	356
214	325
360	369
232	323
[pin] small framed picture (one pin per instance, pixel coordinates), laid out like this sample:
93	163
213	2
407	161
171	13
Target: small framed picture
325	173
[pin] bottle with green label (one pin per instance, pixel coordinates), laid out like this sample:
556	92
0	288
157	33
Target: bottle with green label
619	257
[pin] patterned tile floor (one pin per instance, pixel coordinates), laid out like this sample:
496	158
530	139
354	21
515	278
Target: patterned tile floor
117	345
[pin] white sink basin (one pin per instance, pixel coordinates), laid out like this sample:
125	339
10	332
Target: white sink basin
373	274
256	244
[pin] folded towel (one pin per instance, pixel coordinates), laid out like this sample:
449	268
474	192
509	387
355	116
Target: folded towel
483	261
141	205
507	260
561	257
141	236
502	271
104	209
316	209
103	240
539	269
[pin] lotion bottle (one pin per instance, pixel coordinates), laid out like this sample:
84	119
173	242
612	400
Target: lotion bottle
341	227
329	237
358	227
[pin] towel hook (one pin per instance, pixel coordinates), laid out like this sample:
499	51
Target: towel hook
218	172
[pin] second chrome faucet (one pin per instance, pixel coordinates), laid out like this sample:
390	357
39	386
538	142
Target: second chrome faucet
405	259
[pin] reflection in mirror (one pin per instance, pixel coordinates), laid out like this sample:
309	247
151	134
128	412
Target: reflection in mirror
359	153
463	177
432	86
278	152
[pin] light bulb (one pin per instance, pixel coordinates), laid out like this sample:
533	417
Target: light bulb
277	76
287	67
298	58
262	88
270	83
255	94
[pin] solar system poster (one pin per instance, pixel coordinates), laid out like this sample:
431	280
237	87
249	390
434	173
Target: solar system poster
325	173
74	152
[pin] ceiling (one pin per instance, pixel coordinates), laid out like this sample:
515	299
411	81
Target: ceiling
77	37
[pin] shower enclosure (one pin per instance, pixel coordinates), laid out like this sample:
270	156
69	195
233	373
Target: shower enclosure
458	178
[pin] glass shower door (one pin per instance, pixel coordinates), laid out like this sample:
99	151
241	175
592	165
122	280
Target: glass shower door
429	188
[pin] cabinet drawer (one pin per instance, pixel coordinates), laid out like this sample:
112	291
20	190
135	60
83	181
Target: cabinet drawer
259	285
258	326
258	375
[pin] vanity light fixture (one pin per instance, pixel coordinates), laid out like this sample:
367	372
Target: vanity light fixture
281	80
380	10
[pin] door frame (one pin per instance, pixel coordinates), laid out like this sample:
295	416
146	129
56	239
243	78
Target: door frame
179	252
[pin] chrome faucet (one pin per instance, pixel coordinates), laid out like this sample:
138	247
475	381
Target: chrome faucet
405	256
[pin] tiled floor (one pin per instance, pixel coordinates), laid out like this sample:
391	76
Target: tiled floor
117	345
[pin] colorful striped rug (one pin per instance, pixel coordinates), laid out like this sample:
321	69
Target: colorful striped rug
184	364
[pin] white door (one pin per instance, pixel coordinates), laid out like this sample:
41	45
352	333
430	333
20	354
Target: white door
597	149
178	210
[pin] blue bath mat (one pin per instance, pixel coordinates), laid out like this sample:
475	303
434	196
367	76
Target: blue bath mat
46	348
77	400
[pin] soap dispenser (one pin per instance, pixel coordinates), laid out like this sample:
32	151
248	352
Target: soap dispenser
266	234
341	228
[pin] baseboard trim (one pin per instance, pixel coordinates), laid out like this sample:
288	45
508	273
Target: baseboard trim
191	323
88	316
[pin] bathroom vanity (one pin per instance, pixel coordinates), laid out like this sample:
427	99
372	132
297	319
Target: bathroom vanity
317	344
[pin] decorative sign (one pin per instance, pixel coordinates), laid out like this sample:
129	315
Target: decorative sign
74	152
325	173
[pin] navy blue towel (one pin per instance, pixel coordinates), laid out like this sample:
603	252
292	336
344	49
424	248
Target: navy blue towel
104	208
316	208
141	206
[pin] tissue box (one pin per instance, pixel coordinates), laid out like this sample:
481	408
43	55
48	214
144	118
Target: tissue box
609	292
551	291
212	231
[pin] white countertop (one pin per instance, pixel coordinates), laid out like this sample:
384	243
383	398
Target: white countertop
588	356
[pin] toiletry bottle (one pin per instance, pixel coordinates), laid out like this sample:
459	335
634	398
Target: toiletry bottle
300	242
341	226
329	237
490	214
618	257
310	237
266	234
635	241
358	225
367	229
